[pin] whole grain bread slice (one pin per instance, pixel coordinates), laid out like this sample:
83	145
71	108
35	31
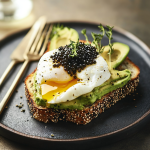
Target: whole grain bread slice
89	112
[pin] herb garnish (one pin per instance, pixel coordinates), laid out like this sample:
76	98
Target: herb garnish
109	35
73	45
97	39
55	30
84	33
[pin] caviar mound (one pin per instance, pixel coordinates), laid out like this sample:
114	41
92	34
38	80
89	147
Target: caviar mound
75	57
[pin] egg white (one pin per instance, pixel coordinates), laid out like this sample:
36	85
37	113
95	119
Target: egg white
91	77
46	71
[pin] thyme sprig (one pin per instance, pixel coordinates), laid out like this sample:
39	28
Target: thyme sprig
84	33
109	35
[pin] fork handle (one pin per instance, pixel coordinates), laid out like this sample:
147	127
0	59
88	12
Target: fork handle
13	86
6	72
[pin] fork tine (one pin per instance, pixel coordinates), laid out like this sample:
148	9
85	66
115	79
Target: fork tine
38	36
46	40
35	29
41	40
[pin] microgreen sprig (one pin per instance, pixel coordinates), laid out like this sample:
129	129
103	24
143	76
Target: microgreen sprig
84	33
103	32
55	29
74	46
97	39
109	35
101	29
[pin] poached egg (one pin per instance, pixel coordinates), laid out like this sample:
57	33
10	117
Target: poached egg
58	86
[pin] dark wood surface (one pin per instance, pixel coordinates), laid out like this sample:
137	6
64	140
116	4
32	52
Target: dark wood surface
131	15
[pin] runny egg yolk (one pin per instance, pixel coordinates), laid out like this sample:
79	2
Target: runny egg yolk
50	89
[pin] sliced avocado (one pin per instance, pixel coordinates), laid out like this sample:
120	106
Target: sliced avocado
118	56
63	37
117	80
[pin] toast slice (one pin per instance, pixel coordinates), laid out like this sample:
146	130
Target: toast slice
89	112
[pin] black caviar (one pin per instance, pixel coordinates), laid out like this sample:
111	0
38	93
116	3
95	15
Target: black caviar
85	55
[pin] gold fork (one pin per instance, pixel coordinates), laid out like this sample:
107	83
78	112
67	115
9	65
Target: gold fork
17	55
32	54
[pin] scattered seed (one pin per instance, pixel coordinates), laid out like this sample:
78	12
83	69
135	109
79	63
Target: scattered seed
20	106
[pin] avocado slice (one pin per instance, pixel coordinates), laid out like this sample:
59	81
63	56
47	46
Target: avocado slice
117	80
118	56
63	37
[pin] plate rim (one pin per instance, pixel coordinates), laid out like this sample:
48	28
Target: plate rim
79	139
117	29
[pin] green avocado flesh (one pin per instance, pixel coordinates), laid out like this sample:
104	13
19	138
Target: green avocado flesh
63	37
118	56
117	80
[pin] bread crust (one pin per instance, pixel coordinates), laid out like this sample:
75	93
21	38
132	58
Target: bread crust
88	113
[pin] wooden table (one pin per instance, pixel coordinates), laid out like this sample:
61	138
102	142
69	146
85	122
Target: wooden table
131	15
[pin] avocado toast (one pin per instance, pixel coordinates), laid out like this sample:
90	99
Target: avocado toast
124	79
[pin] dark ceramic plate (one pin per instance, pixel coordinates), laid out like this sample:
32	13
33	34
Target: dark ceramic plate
121	120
